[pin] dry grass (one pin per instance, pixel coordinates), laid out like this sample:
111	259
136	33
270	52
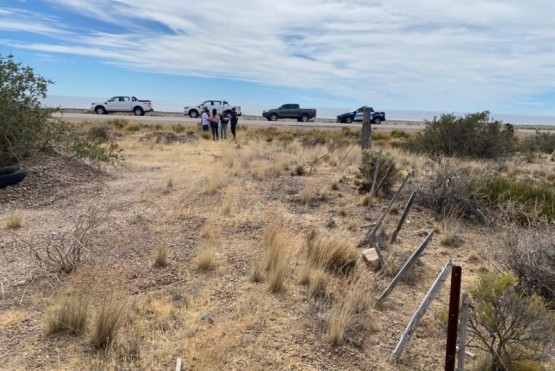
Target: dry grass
205	258
339	318
214	182
449	231
324	193
109	318
257	271
14	221
161	257
332	252
316	281
306	195
68	313
276	260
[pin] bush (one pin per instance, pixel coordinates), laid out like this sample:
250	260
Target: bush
25	126
452	190
23	121
540	142
474	136
387	173
109	318
507	325
523	202
531	256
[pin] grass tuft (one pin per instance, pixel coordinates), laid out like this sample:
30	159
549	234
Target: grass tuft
205	258
108	320
68	314
161	257
14	221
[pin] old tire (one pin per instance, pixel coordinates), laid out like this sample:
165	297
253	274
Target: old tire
11	176
138	111
193	114
304	118
100	110
348	120
273	117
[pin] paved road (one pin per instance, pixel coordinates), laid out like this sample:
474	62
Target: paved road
253	121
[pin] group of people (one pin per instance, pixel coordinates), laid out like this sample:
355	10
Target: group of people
214	120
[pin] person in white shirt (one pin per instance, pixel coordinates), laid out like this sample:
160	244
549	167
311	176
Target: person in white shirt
204	119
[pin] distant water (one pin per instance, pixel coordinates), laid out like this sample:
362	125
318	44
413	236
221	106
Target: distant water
322	112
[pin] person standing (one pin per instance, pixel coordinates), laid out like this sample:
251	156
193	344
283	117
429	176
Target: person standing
233	119
223	125
204	119
214	121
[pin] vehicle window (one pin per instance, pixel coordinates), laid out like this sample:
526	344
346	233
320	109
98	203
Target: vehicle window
121	99
217	102
205	103
112	99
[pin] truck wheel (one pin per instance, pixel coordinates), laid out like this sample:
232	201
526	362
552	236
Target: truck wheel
273	117
100	110
304	118
377	121
348	120
138	111
193	114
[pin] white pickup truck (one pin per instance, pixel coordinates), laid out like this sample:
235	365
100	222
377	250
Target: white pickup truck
123	103
221	106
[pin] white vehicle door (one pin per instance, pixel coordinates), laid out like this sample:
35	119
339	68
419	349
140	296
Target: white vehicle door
118	104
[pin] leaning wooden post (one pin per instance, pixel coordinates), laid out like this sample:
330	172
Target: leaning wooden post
405	268
453	319
382	217
463	330
376	171
403	217
366	142
411	327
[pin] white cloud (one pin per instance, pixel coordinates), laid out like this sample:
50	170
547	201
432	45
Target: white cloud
435	54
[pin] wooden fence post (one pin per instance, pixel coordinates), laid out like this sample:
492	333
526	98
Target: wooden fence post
372	233
405	268
411	327
463	330
403	217
366	142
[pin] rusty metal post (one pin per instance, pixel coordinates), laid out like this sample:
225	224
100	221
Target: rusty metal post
453	320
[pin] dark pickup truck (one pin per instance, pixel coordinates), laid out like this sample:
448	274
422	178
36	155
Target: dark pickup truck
290	111
357	115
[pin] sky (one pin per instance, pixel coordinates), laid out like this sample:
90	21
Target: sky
430	55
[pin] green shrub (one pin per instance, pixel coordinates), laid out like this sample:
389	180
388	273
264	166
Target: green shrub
23	120
133	128
26	127
524	201
540	142
508	325
388	169
119	123
474	136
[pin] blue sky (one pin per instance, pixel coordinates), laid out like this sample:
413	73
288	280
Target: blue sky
430	55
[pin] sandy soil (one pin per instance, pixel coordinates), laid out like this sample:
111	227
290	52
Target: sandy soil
201	195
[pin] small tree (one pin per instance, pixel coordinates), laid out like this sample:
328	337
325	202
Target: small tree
509	326
26	126
23	120
474	135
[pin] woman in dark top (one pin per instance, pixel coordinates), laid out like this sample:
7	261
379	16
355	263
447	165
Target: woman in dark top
214	121
233	119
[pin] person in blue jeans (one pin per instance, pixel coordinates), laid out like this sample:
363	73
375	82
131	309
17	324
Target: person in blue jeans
214	121
223	125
